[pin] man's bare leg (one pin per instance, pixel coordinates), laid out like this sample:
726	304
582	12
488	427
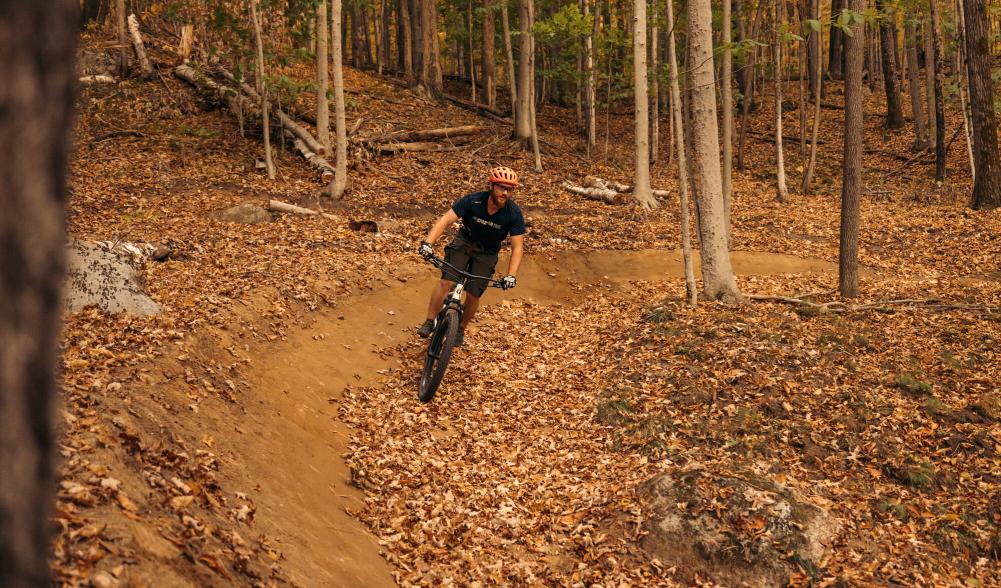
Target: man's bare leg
438	297
471	304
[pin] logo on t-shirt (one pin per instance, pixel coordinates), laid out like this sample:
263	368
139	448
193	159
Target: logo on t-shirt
484	221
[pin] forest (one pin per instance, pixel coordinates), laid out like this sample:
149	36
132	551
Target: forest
753	339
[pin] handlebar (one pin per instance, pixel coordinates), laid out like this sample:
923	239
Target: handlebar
440	263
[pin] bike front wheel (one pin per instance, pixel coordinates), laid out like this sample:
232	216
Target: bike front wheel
438	354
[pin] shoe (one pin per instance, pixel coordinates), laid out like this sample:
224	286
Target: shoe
459	337
426	329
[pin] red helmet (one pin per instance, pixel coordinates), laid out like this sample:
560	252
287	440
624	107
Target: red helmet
504	175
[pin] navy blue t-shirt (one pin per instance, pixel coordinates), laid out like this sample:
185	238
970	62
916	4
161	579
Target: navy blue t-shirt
487	231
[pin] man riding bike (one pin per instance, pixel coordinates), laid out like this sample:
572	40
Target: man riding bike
488	217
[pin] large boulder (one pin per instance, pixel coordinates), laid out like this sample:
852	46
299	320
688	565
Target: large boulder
107	277
246	213
735	530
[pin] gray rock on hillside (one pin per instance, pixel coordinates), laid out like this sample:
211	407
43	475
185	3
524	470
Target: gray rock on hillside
246	213
737	531
111	280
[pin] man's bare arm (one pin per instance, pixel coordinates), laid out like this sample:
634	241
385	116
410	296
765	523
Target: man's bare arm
439	227
517	252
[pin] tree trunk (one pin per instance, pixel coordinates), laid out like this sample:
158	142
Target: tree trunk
137	44
987	184
851	169
322	41
407	42
36	100
686	241
835	65
431	78
917	111
814	44
717	272
531	99
641	173
726	103
939	95
781	192
340	181
930	81
472	58
262	89
817	91
960	58
512	83
522	120
654	101
891	85
123	50
748	98
590	89
489	58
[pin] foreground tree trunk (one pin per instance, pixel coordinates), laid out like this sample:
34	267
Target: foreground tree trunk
590	124
322	112
36	99
489	57
641	174
717	273
431	78
654	102
726	103
686	240
522	120
123	50
340	181
851	169
781	191
512	83
987	184
262	89
407	43
891	84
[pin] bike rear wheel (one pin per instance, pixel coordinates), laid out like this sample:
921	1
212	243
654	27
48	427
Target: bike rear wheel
438	353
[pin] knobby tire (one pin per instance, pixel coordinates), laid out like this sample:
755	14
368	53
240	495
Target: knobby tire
441	344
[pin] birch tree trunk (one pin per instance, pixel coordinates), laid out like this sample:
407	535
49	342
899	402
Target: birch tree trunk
987	185
522	119
914	82
590	91
717	272
781	192
340	181
851	168
262	89
36	99
489	58
960	58
641	181
676	116
322	111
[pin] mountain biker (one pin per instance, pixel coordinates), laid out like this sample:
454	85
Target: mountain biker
488	217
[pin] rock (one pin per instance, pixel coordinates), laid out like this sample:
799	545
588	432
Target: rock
737	531
161	253
246	213
111	280
103	580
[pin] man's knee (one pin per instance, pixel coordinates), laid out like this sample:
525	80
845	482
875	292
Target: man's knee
446	284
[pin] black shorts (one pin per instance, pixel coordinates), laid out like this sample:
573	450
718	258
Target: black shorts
467	256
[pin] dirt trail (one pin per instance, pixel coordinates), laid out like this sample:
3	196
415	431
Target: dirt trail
295	451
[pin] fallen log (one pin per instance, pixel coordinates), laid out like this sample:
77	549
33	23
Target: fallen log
97	79
425	135
785	138
596	182
317	161
606	195
412	147
236	101
480	109
279	206
137	43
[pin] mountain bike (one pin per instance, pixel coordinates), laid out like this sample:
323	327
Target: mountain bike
446	328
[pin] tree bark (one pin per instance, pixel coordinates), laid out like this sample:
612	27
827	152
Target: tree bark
817	91
987	184
960	58
726	103
917	111
851	169
512	83
36	101
140	49
340	182
489	60
940	144
406	46
322	110
930	81
781	191
676	116
472	58
431	79
590	90
424	135
641	174
531	91
123	51
522	114
654	101
717	271
262	89
835	59
891	84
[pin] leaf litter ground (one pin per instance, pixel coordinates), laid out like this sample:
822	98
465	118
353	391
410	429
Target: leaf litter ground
525	468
